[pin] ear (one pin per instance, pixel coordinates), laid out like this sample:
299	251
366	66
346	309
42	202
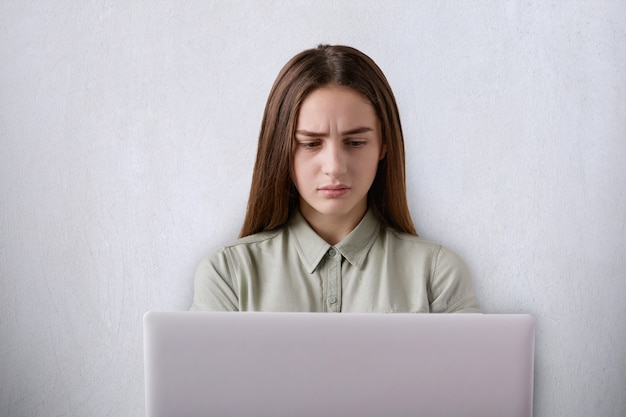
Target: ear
383	152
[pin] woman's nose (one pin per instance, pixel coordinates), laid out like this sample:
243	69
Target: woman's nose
334	163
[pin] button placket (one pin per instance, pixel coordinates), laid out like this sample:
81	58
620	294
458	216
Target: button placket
334	281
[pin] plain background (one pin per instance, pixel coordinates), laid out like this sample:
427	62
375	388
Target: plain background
128	133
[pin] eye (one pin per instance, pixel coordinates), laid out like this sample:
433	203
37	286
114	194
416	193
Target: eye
357	143
309	144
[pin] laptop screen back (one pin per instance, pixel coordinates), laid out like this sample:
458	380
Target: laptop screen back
316	364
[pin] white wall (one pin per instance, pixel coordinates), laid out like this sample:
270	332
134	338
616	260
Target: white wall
128	133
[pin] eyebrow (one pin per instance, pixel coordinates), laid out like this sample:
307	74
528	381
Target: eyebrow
355	131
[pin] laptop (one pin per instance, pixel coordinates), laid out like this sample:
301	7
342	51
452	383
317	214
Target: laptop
218	364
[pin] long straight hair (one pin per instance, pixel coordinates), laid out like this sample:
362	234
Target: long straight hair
273	196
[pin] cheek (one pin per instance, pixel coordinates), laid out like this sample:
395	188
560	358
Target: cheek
298	171
371	163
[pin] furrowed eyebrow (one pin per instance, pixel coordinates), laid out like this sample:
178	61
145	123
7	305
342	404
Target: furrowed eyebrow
310	134
356	131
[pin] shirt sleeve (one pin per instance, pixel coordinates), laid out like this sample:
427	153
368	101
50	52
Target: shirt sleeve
213	285
451	285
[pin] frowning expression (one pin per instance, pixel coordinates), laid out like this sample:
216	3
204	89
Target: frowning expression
337	149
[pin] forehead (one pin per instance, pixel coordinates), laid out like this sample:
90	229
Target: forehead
336	105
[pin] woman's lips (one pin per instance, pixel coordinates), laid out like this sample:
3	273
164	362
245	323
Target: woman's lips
334	191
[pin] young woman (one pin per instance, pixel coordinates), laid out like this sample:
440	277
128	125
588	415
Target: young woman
327	227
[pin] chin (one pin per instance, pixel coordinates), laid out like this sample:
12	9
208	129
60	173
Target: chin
335	209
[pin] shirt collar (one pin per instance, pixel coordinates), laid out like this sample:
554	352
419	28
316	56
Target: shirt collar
311	247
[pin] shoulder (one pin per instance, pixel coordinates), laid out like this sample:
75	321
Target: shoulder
450	286
243	244
244	248
225	261
409	242
405	238
422	249
255	239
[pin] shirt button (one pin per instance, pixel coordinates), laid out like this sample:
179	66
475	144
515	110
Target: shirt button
332	252
332	299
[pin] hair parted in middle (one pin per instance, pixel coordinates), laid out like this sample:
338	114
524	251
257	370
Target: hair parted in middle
273	196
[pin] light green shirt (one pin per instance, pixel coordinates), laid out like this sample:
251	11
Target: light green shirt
373	269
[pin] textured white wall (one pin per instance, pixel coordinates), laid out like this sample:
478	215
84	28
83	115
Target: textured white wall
128	133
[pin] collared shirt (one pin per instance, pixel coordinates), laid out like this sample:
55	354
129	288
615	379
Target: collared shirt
373	269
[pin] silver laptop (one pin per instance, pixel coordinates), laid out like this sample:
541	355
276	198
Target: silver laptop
329	365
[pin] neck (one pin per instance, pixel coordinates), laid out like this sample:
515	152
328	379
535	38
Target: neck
333	229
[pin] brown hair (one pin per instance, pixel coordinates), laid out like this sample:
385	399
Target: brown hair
273	196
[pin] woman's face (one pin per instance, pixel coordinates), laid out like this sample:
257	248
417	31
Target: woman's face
337	150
